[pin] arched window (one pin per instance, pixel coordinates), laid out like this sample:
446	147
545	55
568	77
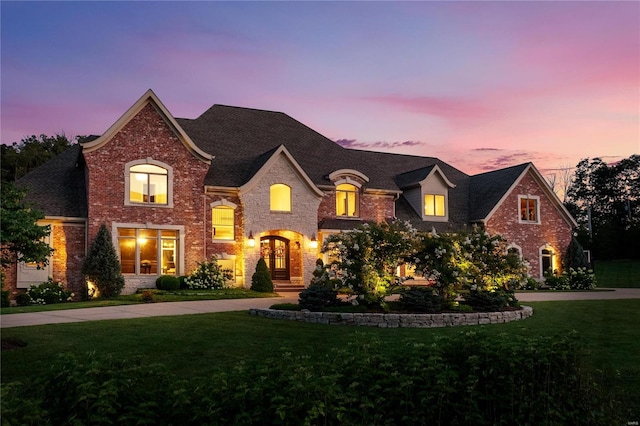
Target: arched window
222	222
280	196
148	184
546	261
347	200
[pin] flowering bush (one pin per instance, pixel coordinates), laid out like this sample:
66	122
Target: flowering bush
580	278
469	260
208	275
365	259
46	293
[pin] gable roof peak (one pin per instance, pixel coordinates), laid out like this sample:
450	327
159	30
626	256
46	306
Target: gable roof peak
149	97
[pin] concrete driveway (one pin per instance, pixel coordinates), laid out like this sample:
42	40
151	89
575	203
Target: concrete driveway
208	306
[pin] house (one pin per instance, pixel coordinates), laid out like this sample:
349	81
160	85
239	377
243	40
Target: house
242	184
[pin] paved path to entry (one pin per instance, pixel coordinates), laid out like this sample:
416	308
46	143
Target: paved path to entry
208	306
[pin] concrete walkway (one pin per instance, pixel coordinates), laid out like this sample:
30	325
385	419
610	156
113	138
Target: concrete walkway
208	306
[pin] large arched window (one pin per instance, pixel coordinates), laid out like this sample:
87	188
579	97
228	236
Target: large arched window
149	183
347	200
280	196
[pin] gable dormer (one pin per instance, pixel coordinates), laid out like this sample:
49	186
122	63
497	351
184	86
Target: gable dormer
427	191
348	187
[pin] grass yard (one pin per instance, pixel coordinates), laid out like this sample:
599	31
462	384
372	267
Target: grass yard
618	273
131	299
196	345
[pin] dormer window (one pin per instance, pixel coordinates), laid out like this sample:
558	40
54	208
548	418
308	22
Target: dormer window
435	205
347	200
149	183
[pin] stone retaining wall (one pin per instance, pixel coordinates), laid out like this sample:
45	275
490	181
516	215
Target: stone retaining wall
397	320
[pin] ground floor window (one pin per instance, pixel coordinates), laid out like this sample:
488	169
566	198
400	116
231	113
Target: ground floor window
148	251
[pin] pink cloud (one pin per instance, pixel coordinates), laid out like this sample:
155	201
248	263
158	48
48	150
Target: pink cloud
441	106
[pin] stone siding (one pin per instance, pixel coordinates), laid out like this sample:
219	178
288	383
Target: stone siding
397	320
300	223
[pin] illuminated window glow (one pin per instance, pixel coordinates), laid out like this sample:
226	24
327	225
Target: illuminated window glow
222	223
280	196
434	205
347	200
148	251
148	184
529	209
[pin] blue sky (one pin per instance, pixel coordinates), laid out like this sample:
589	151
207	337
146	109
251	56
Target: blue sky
481	85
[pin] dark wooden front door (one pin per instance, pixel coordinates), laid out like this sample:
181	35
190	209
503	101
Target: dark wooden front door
275	251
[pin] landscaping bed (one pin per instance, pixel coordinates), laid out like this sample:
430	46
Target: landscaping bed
395	320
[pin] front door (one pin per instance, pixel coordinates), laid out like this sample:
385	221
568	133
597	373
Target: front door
275	251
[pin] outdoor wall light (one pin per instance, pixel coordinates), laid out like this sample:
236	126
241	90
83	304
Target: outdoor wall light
251	241
314	243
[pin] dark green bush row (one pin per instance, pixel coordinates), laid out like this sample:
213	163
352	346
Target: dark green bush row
472	378
167	282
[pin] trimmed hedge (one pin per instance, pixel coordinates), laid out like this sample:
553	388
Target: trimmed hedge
167	282
471	378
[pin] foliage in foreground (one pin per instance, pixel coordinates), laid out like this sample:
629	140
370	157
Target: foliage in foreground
471	378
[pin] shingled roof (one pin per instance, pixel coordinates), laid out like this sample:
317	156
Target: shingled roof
487	189
58	186
241	140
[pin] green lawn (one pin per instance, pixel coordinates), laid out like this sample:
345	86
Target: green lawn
158	296
618	273
196	345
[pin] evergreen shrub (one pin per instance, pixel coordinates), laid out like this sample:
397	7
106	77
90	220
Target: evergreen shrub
420	299
261	279
167	282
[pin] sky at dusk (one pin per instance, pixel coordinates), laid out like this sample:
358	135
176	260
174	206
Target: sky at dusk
481	85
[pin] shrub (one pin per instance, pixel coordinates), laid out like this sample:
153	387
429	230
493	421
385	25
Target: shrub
102	267
581	278
471	377
208	275
147	296
557	281
167	282
420	299
261	279
23	299
5	299
183	282
490	301
317	297
46	293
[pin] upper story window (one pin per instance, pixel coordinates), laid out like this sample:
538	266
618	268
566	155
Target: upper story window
347	200
529	209
222	222
149	182
435	205
280	196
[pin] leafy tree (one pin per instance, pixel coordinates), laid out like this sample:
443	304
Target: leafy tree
21	238
366	258
20	158
102	265
605	200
